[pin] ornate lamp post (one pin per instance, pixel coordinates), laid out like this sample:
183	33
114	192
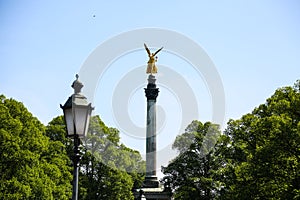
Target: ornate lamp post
77	113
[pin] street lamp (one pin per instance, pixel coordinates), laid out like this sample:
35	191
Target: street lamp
77	113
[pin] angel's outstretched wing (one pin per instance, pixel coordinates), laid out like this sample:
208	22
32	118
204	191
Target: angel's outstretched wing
157	51
148	51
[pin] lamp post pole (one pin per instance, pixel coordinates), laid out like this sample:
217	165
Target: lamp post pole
77	113
76	160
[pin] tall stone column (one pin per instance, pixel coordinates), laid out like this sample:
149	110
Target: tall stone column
151	94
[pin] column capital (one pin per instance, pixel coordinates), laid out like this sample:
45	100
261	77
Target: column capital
151	94
151	90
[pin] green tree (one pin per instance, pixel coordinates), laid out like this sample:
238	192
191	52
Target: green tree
265	151
31	165
112	169
192	174
108	169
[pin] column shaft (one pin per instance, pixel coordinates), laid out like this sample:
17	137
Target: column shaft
151	94
151	139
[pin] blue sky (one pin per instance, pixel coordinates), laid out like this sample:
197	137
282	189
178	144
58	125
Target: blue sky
255	46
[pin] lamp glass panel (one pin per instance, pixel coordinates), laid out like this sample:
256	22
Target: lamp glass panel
80	114
69	121
89	111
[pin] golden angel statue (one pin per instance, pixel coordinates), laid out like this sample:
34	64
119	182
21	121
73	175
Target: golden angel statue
151	68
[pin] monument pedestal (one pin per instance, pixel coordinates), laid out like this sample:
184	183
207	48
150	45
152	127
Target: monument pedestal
152	194
150	182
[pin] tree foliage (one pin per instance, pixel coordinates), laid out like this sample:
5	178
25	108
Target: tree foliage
31	165
191	174
266	149
257	157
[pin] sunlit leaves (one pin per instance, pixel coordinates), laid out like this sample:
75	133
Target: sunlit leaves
32	166
266	147
193	173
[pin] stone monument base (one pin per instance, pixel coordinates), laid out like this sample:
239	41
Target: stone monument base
152	194
150	182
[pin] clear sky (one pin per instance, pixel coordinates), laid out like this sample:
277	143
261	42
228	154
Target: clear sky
255	46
